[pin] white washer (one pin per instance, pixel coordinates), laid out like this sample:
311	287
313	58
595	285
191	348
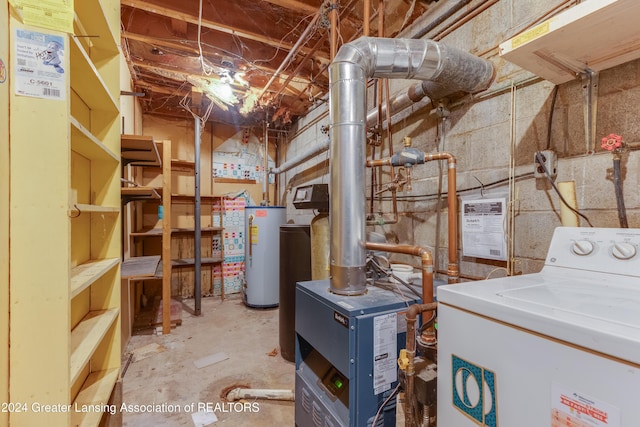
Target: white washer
557	348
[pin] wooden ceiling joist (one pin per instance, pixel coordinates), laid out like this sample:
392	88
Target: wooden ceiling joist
188	50
294	88
150	7
179	27
295	5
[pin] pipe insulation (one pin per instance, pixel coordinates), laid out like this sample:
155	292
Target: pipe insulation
369	57
568	216
302	157
258	393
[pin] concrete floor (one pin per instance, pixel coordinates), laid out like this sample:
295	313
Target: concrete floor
162	370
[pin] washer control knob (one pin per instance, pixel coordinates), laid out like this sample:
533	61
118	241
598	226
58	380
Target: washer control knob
582	247
623	250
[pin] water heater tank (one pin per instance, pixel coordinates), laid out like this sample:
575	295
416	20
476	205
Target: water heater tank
262	255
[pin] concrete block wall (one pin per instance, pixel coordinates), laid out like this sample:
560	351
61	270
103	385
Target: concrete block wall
479	132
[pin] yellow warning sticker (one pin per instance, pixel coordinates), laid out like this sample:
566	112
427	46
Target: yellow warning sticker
254	234
527	36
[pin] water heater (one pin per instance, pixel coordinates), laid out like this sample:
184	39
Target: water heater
262	255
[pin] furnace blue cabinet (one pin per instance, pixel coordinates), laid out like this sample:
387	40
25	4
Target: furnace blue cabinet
346	355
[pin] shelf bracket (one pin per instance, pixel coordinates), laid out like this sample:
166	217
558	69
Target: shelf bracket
590	92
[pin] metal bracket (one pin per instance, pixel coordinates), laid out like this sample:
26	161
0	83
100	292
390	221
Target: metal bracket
590	91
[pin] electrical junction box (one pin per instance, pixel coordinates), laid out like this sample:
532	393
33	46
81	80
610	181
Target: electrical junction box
549	160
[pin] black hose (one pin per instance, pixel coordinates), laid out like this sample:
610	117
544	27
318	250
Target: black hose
554	96
617	183
540	161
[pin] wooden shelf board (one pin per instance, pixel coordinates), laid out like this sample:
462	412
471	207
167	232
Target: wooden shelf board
191	197
593	35
189	164
90	87
84	275
152	232
86	337
185	262
234	181
190	262
82	207
140	266
85	143
157	232
192	230
96	390
139	193
140	150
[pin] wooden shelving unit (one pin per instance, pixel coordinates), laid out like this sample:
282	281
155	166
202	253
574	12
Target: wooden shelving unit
183	200
66	152
143	153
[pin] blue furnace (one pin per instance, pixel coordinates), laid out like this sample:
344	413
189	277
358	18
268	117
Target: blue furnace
346	355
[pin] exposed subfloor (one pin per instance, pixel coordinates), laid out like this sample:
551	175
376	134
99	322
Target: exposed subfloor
162	370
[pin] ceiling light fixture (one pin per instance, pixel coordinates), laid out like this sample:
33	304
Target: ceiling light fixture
223	90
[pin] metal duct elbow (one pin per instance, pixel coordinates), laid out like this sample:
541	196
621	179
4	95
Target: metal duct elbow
418	59
355	62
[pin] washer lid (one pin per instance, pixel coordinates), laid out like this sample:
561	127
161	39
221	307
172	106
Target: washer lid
596	311
617	304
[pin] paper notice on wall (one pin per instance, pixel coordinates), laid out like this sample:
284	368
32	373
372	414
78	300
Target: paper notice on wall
385	347
39	65
483	228
51	14
570	408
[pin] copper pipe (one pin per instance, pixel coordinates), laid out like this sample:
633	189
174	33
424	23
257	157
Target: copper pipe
366	16
379	162
412	314
333	15
426	260
380	88
394	212
387	96
452	270
381	18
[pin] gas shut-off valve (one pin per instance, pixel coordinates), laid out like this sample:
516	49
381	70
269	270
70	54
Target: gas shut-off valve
406	158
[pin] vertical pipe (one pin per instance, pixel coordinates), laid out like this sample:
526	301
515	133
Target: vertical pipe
347	171
378	58
380	18
265	182
197	225
366	16
617	181
333	15
411	316
453	269
166	237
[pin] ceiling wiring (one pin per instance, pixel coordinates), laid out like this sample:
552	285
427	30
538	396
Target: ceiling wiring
205	68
